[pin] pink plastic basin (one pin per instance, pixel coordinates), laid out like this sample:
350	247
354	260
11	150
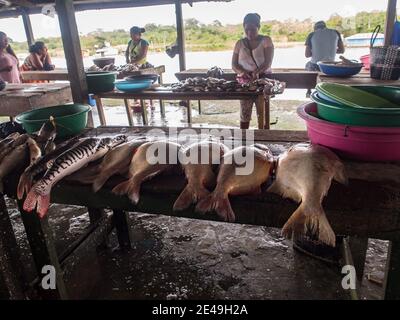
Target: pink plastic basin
359	143
365	61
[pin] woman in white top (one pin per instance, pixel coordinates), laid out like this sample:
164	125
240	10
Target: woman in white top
252	59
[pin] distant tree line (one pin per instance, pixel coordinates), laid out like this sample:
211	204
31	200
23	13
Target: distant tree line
215	36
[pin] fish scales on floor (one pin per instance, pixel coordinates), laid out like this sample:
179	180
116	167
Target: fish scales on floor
303	173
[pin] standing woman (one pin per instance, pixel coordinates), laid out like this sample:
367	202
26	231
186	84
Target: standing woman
38	59
8	61
136	52
252	59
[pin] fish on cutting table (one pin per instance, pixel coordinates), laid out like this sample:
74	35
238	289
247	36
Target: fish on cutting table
11	144
304	174
231	181
145	164
116	162
17	157
80	155
199	171
39	167
11	137
34	151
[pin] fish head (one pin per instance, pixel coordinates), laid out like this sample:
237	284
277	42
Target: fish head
48	130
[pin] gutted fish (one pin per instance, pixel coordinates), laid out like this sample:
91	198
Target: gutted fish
17	157
34	151
304	174
70	161
198	161
116	162
149	160
243	171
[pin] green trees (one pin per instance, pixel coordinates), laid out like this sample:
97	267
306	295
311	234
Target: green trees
215	36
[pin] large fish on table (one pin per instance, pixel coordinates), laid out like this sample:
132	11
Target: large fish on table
304	174
16	158
145	164
90	149
200	160
235	179
116	162
40	166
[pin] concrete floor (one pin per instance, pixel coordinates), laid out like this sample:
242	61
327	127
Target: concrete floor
177	258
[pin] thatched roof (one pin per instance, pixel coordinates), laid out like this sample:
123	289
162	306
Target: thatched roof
13	8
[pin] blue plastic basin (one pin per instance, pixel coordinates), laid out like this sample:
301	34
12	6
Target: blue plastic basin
339	71
128	86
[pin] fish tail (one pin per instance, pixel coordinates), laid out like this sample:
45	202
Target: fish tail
190	195
24	185
122	188
43	204
31	201
219	203
311	219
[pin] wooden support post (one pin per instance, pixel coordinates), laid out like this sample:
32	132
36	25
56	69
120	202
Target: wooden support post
95	214
358	247
123	232
391	14
72	50
100	111
128	112
162	106
180	35
199	106
260	108
12	276
392	276
189	111
43	250
144	112
28	28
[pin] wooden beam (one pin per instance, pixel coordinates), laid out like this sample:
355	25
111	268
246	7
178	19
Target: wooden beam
28	28
72	50
180	35
390	19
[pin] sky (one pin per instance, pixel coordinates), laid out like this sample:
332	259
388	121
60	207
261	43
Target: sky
227	13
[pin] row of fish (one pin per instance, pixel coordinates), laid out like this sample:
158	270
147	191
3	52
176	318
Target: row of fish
303	174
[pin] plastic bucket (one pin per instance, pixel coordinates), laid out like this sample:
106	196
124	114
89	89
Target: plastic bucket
365	61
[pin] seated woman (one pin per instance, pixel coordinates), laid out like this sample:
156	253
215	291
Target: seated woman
8	61
38	59
252	59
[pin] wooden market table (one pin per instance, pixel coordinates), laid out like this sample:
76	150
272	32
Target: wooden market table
17	98
363	78
294	78
261	101
369	207
53	75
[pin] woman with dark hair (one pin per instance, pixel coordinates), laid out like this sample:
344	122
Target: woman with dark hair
38	59
8	61
252	59
136	52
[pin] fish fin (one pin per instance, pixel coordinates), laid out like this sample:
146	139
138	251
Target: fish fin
122	188
221	205
99	182
190	195
43	204
284	191
134	191
310	219
340	174
31	201
24	185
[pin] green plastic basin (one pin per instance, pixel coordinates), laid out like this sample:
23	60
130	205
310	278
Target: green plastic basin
371	117
70	119
100	81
